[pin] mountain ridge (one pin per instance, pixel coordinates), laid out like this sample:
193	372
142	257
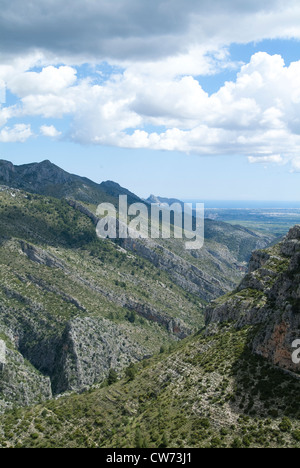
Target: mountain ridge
45	178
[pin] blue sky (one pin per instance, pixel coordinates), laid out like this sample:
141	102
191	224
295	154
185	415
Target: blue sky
201	103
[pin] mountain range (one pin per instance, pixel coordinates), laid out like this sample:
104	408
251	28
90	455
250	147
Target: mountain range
139	342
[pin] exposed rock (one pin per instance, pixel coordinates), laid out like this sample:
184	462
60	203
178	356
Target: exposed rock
89	348
83	210
269	296
2	355
183	273
173	325
40	256
20	383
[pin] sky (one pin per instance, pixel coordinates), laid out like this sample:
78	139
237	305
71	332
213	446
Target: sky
193	99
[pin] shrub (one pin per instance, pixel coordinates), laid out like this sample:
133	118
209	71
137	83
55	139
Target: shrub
285	425
296	436
112	377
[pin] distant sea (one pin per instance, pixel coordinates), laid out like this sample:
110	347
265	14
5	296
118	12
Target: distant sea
247	204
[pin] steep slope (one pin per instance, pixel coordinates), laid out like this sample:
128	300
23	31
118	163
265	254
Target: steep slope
208	272
227	248
215	389
77	306
268	297
208	392
20	383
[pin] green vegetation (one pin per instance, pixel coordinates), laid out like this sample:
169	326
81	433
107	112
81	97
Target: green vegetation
208	392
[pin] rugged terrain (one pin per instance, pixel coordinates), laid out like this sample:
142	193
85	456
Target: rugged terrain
84	316
233	384
75	306
268	298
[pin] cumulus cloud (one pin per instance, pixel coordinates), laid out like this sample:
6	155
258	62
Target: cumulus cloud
256	115
50	80
2	92
296	164
152	96
18	134
50	131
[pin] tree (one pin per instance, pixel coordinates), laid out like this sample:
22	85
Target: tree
130	372
112	377
131	316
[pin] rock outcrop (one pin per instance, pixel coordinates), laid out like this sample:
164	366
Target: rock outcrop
20	383
89	348
269	298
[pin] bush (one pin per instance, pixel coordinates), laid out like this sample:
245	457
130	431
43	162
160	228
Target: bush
285	425
112	377
130	372
131	316
237	443
296	436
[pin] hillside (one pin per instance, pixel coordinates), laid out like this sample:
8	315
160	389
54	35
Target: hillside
215	389
59	282
222	262
74	306
268	298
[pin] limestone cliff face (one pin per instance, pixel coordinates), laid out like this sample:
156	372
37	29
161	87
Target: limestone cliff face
90	346
20	383
269	297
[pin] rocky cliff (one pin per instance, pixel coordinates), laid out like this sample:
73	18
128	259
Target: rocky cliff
268	297
20	383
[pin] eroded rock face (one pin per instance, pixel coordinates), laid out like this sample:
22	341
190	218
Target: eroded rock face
269	297
90	347
20	383
184	274
40	256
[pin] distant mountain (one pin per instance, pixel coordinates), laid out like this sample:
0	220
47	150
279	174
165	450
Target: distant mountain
162	200
46	178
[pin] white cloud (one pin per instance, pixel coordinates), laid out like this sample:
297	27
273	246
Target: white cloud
155	100
273	158
50	80
50	131
257	115
296	164
2	92
18	134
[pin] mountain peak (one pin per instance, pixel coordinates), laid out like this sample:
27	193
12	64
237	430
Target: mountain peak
45	178
47	163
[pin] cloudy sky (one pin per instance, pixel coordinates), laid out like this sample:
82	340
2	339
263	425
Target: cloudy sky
183	98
